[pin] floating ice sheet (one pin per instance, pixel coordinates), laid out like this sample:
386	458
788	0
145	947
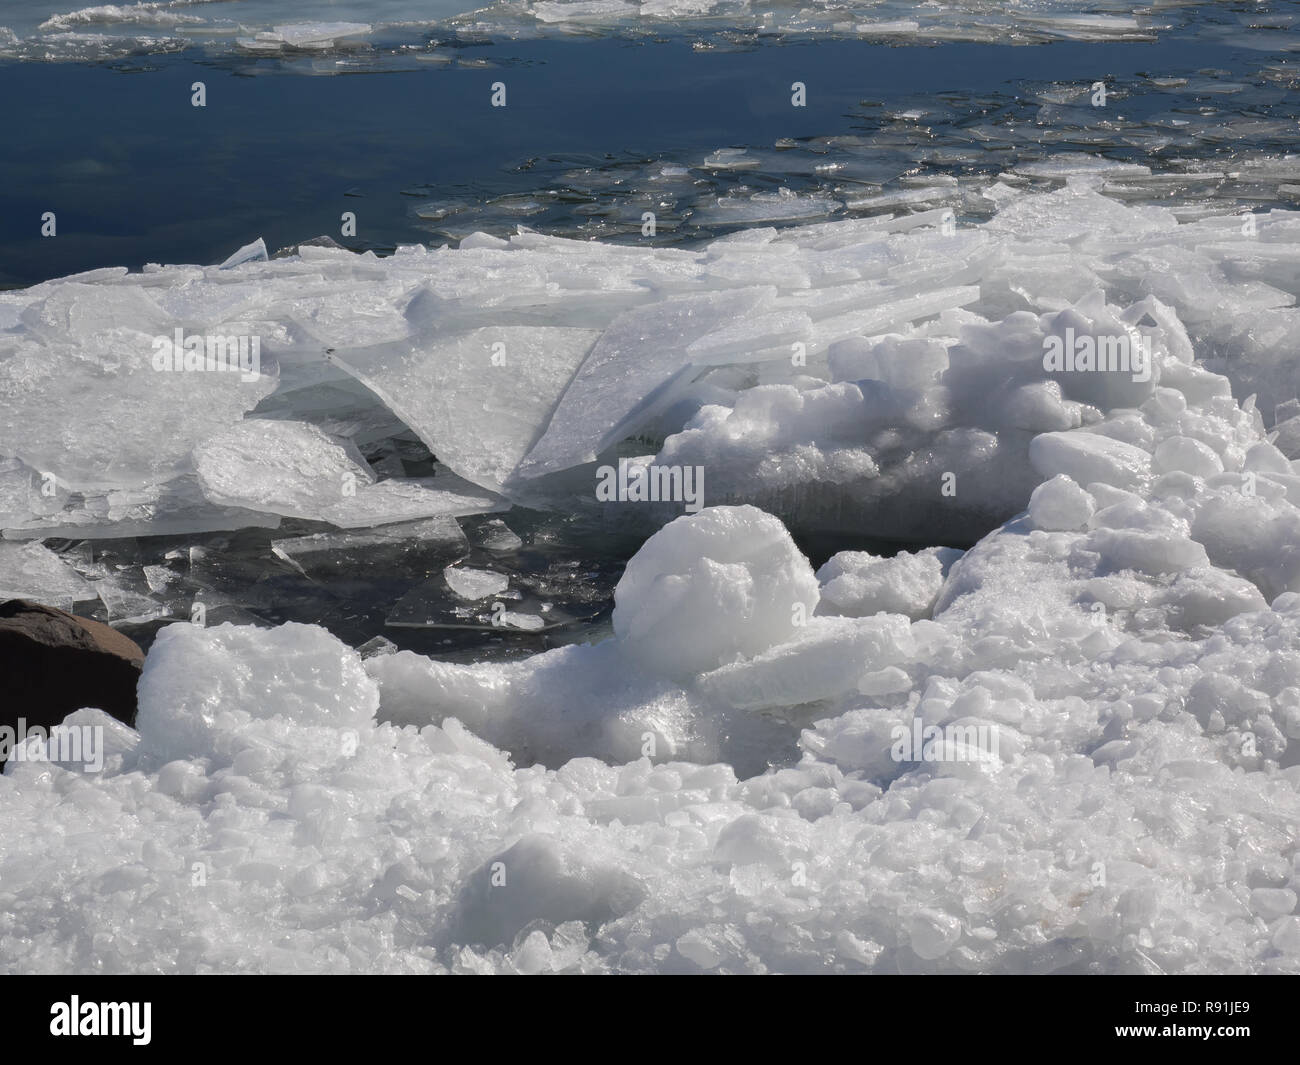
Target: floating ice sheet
257	26
405	550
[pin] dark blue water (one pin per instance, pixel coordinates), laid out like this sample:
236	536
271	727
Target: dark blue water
135	174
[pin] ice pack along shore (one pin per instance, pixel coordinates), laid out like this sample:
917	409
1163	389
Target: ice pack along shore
1056	734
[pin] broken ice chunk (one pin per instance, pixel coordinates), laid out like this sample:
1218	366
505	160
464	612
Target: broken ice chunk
1072	164
1060	505
825	658
858	584
513	619
899	361
305	34
480	399
411	498
377	647
732	159
249	253
496	536
710	587
628	375
33	571
582	10
62	412
289	468
175	507
475	583
784	205
123	604
904	197
746	338
297	470
891	315
159	578
1088	457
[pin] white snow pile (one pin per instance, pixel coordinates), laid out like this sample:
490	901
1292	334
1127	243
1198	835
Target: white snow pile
1102	702
1067	749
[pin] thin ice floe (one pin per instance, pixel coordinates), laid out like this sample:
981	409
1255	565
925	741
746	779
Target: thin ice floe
259	27
1059	743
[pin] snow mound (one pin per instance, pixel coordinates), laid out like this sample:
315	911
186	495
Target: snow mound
199	699
858	584
712	586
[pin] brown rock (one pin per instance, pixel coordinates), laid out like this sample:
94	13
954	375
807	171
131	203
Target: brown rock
53	662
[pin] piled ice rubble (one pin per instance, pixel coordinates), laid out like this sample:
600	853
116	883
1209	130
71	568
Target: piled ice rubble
1067	749
980	20
515	360
859	584
881	377
914	153
258	26
1121	795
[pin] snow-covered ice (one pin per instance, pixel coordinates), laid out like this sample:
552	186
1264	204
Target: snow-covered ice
1058	739
857	584
737	566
